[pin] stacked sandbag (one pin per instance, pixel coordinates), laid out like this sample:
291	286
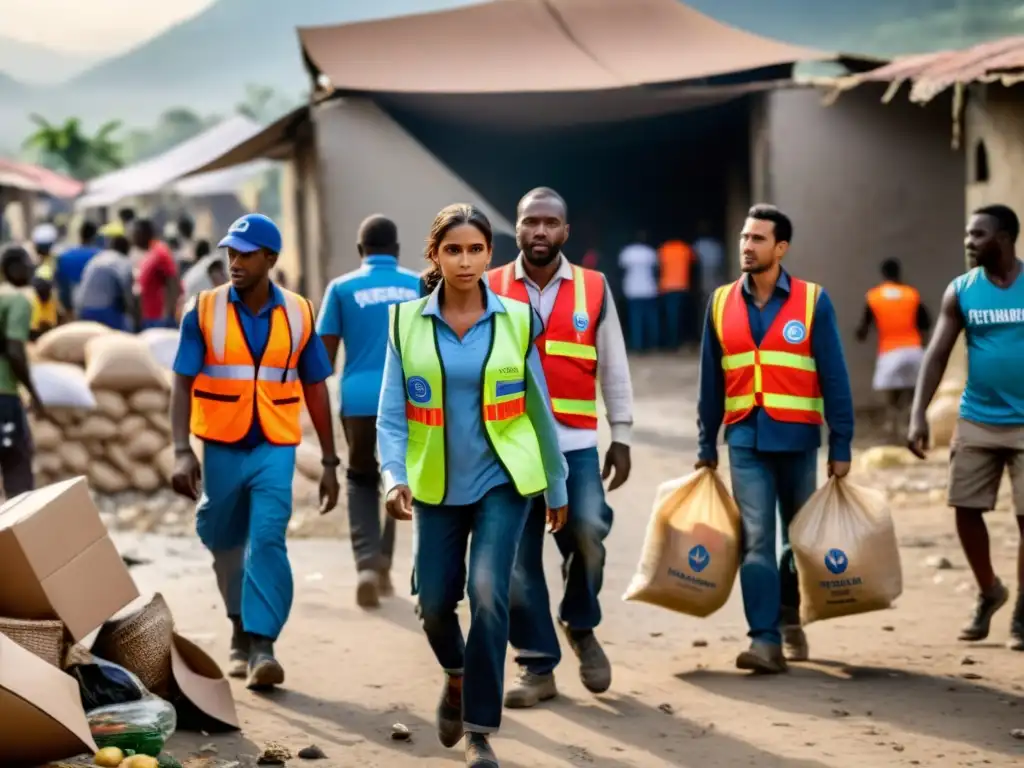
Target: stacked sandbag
944	412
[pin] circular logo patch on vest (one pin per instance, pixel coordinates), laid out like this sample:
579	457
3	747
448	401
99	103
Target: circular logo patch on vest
794	332
418	389
580	321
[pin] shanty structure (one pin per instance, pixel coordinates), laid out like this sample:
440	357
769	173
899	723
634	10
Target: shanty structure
25	183
646	115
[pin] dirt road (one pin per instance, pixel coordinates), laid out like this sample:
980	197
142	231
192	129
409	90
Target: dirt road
885	689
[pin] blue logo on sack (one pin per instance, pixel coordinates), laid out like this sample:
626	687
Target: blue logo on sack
700	558
580	321
794	332
418	389
836	561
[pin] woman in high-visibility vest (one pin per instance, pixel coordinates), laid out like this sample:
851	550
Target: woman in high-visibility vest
466	436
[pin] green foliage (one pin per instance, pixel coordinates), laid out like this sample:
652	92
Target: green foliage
68	149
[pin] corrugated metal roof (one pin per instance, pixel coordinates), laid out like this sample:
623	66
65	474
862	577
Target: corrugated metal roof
932	73
35	178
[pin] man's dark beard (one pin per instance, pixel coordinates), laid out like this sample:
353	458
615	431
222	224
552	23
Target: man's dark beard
757	269
554	251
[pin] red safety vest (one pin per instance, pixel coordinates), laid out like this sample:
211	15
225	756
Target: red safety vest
568	344
780	375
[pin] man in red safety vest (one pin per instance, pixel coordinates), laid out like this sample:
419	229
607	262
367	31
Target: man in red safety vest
581	342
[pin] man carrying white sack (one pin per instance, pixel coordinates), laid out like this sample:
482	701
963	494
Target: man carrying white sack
772	369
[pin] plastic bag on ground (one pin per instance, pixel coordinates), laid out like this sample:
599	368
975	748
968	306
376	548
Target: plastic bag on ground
62	385
102	684
692	550
143	726
847	556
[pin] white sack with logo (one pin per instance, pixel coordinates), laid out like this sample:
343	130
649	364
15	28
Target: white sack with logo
847	557
692	551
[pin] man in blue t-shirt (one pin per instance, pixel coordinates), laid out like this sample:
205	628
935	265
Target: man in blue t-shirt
355	312
72	262
987	304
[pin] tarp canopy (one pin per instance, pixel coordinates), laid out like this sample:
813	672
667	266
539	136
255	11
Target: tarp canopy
540	46
151	176
275	142
223	182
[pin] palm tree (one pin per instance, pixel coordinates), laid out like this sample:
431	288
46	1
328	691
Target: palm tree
68	149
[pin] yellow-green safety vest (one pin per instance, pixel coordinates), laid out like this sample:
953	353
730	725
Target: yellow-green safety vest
508	428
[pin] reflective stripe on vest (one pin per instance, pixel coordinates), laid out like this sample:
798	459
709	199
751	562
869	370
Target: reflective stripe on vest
782	382
568	344
231	389
509	430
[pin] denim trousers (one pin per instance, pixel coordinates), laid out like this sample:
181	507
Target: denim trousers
676	314
242	519
373	544
642	318
581	543
491	528
763	482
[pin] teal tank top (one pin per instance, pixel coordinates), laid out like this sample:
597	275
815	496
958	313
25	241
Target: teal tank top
994	324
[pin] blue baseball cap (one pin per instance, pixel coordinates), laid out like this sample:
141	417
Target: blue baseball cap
252	232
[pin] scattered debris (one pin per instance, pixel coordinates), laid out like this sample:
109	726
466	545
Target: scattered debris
971	676
656	634
400	732
312	752
700	643
274	754
666	708
208	749
939	563
840	713
968	661
888	628
1017	733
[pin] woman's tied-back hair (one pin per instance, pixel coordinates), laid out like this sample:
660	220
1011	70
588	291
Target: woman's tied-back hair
449	218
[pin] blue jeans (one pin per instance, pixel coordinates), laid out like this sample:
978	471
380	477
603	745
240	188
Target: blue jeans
643	324
492	527
111	317
581	543
675	307
243	519
762	482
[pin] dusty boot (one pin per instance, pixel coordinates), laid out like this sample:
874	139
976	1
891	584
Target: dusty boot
794	640
479	753
238	659
981	621
265	671
530	690
595	669
385	586
368	589
1016	641
449	712
762	658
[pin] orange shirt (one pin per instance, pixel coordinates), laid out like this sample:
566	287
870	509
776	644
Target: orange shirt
895	307
675	257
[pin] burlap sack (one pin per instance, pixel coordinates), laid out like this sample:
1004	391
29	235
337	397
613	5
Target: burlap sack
147	401
122	363
847	557
97	449
105	479
692	550
62	385
74	457
132	424
144	445
119	458
111	404
97	427
66	343
161	422
942	415
165	463
47	461
46	435
64	417
144	478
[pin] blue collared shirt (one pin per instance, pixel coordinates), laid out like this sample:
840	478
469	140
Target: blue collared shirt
314	365
473	469
355	309
759	430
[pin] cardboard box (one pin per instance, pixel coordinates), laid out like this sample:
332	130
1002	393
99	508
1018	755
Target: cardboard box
57	561
41	716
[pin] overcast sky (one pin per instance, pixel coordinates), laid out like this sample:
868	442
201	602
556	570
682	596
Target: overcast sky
92	26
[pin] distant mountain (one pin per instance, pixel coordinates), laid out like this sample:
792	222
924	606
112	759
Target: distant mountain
38	65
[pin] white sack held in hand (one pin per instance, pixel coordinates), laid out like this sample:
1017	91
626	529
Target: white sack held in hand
692	551
847	557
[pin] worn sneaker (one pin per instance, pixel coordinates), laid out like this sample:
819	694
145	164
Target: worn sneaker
762	658
981	621
794	643
385	587
449	713
595	669
530	690
265	671
479	753
1016	641
368	589
238	659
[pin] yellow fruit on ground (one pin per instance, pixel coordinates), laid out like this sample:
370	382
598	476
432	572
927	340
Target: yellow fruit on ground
140	761
109	757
